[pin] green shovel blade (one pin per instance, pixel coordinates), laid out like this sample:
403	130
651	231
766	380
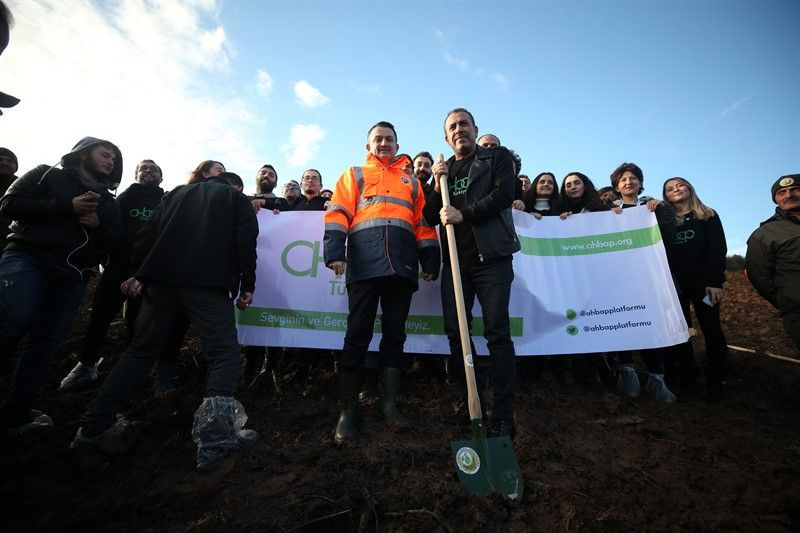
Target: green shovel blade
485	465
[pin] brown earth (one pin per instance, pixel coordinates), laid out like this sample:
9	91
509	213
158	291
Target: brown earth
590	460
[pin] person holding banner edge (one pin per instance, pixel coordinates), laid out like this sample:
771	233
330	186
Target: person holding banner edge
628	180
376	235
482	186
697	260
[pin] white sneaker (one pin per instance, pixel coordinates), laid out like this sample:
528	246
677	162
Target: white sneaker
80	375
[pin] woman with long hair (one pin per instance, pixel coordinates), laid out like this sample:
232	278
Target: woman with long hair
579	195
697	259
206	169
542	198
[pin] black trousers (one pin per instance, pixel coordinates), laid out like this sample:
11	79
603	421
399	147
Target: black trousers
492	285
653	358
394	295
209	310
107	301
711	326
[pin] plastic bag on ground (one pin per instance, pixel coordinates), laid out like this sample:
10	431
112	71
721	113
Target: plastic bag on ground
628	382
657	389
218	429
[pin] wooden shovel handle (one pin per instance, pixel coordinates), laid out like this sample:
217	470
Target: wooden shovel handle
473	401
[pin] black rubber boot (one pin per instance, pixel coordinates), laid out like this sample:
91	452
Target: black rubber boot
370	389
348	395
391	378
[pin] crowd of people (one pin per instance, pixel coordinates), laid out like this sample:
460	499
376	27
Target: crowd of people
170	264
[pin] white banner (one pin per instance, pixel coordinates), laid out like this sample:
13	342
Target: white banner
594	282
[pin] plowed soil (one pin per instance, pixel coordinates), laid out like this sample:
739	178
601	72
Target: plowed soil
590	460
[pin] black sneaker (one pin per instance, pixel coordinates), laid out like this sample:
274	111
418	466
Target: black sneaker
502	427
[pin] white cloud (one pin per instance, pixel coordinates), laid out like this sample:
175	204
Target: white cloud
264	82
458	62
303	143
731	108
308	95
443	38
501	79
136	73
213	40
372	88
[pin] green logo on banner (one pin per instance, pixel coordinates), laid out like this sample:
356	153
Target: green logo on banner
571	314
302	264
572	330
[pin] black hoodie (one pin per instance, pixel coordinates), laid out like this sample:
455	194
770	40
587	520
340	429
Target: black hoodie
45	225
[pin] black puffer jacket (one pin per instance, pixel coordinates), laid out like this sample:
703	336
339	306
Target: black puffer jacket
489	195
46	227
773	261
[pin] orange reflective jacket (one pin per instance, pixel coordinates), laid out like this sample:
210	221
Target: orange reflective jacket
377	210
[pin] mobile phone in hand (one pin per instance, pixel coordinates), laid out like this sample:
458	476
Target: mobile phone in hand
93	194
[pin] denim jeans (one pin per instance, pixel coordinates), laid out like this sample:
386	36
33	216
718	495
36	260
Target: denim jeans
492	285
42	305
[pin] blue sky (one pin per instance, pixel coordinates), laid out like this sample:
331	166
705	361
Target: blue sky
705	90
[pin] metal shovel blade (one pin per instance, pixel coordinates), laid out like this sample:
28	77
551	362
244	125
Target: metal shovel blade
485	465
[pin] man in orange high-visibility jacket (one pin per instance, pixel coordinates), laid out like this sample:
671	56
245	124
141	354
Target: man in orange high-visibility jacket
374	226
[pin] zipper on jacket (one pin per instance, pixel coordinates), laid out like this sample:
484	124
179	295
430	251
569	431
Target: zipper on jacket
386	232
474	235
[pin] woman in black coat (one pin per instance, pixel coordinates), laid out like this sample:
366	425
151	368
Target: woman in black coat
697	259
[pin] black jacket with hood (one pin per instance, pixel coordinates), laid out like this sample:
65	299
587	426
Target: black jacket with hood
45	225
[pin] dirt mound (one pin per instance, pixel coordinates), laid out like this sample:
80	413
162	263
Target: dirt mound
590	460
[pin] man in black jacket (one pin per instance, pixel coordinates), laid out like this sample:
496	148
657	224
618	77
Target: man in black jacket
64	221
481	183
266	180
137	204
310	200
197	250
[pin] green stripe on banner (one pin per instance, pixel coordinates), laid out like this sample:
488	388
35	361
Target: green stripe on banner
590	244
271	317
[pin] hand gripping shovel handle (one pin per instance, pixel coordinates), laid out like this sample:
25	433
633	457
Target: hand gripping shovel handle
473	401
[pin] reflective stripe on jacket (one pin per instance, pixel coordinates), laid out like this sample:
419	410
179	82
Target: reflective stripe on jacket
376	210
